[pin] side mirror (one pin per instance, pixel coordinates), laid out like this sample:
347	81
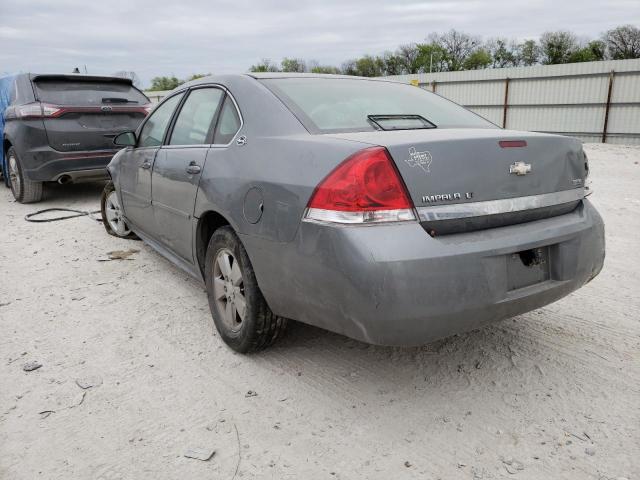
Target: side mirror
125	139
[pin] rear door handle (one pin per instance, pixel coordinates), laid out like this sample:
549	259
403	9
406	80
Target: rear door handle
146	165
193	168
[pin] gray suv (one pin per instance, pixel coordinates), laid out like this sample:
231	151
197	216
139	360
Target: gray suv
60	128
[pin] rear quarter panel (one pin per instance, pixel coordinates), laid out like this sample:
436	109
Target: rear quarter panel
280	159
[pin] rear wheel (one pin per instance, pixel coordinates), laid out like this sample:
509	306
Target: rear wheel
24	191
240	313
112	215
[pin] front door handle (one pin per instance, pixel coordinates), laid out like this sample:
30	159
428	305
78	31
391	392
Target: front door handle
193	168
146	165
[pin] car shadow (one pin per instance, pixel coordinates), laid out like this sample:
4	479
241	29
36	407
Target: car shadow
72	192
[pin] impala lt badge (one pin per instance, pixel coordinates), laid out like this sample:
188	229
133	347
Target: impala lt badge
443	197
520	168
419	159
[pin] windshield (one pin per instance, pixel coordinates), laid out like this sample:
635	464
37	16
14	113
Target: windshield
328	105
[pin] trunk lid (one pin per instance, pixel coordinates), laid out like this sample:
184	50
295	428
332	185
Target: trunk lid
89	112
444	167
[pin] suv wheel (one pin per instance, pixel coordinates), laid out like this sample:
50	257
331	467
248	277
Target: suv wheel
240	313
112	217
24	191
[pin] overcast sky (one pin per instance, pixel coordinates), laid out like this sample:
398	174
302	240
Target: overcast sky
153	37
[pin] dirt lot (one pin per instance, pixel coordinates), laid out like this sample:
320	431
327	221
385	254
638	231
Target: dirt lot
551	394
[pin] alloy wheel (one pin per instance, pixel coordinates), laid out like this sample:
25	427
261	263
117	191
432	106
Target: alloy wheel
14	175
228	289
113	212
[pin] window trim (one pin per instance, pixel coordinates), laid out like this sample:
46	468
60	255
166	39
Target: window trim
235	104
174	119
227	93
138	131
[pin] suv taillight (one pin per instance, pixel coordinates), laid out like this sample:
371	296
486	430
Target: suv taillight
147	108
38	110
365	188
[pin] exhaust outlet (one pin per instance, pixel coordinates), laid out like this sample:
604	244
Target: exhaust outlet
64	179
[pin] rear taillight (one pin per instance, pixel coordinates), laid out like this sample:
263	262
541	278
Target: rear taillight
365	188
147	108
37	110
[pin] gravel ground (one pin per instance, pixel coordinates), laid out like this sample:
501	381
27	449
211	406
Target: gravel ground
550	394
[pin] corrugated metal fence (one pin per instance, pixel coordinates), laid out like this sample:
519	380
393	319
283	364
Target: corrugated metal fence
594	101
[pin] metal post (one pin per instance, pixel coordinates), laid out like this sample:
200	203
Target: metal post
506	102
433	86
607	107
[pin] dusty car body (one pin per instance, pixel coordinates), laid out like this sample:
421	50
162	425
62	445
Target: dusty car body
60	128
369	208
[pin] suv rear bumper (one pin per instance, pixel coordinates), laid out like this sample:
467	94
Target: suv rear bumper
396	285
46	164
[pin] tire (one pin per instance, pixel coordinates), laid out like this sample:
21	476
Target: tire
111	210
259	327
24	191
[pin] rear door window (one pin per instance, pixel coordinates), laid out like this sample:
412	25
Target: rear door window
152	133
88	93
194	122
229	123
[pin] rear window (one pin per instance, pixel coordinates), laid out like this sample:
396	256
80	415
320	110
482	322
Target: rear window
328	105
61	92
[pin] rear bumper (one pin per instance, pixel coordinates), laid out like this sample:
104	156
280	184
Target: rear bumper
46	164
395	285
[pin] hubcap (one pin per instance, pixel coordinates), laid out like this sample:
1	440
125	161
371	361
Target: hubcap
14	176
228	289
113	212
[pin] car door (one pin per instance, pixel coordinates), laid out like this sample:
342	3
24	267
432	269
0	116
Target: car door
176	171
136	166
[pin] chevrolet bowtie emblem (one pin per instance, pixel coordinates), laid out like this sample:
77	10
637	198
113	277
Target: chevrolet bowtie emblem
520	168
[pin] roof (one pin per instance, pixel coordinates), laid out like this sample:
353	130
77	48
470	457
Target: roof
266	75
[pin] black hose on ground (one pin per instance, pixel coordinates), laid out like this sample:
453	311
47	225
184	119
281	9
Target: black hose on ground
76	213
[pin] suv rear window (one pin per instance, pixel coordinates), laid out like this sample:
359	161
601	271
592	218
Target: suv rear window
60	92
329	105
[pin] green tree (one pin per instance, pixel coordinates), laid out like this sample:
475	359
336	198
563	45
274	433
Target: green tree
196	76
432	57
503	53
368	66
592	52
557	47
393	65
325	69
349	67
265	65
164	83
623	42
296	65
528	53
478	59
407	58
458	46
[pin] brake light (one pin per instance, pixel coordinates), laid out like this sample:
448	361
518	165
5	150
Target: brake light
365	188
512	143
37	110
147	108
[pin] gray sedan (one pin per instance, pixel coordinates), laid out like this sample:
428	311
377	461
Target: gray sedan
371	208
